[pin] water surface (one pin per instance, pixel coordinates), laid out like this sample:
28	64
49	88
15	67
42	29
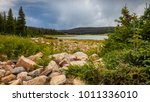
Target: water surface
83	37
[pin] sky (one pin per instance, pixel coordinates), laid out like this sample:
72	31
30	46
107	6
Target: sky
67	14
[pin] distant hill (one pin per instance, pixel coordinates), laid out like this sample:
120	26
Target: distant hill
89	30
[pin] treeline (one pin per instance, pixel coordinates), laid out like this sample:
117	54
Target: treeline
34	31
10	25
90	30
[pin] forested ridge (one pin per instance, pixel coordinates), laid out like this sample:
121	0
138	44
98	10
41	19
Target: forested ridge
90	30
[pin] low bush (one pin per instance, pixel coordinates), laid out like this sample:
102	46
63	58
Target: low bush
88	73
125	75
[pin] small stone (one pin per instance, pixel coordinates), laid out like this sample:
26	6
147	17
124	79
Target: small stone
7	73
46	72
36	56
81	56
36	72
8	68
64	62
77	81
9	62
16	82
18	70
59	57
58	80
78	63
26	63
2	73
24	76
41	80
53	65
8	78
54	74
94	57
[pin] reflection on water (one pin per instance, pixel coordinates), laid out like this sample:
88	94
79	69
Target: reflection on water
84	37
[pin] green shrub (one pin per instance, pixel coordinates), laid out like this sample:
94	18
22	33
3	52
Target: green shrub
14	46
125	75
113	58
88	73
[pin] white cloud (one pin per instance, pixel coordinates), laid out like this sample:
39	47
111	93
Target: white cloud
6	4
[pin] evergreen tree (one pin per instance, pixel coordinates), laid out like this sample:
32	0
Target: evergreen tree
146	24
20	26
1	22
4	21
124	31
10	22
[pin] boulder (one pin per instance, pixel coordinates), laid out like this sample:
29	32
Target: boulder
26	63
58	80
81	56
41	80
18	70
36	56
53	66
77	81
24	76
78	63
8	78
2	73
36	72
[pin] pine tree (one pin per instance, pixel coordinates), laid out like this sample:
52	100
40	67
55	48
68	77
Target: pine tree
10	22
4	21
146	24
20	26
1	22
126	18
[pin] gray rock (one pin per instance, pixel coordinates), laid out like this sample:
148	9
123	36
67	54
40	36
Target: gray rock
36	72
24	76
58	80
18	70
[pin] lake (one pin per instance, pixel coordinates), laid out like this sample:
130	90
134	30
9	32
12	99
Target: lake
83	37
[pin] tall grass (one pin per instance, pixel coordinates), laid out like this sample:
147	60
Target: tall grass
14	46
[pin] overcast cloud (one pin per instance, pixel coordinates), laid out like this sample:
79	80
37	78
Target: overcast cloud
66	14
